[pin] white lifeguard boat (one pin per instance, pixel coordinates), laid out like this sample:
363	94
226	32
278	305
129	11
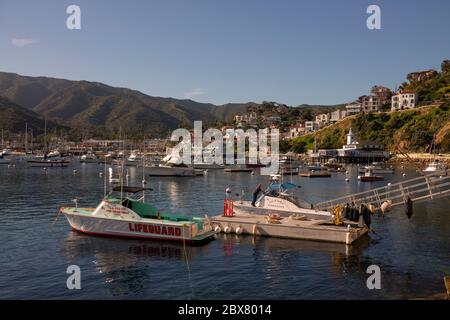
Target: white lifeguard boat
127	217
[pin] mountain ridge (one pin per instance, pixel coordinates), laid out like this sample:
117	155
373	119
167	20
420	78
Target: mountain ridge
81	104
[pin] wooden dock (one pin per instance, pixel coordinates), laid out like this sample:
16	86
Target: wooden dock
287	227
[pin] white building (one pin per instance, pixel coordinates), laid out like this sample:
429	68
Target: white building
403	100
370	103
353	108
311	126
296	131
337	115
323	119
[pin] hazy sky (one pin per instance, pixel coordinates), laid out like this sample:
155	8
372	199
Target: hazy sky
317	52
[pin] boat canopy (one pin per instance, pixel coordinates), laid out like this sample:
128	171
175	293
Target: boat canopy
283	186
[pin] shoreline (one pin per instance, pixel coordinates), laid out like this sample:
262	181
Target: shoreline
422	158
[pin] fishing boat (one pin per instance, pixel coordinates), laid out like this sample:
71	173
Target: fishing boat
280	198
278	214
130	217
173	167
377	168
436	168
369	176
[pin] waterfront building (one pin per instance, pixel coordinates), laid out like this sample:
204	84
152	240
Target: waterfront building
353	151
403	100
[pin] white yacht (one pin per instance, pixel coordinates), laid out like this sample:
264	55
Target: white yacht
280	198
171	166
89	158
436	168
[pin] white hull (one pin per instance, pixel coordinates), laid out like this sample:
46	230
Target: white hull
125	228
114	220
204	166
278	205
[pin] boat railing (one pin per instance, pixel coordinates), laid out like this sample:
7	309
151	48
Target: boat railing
418	189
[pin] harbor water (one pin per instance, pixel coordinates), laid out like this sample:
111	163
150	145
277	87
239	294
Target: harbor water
413	254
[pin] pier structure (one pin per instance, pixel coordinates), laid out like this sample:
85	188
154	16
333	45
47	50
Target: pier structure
424	188
353	152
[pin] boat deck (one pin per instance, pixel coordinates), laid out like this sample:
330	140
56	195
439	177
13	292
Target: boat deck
287	227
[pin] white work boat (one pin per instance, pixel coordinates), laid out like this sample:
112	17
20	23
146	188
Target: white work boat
128	217
280	198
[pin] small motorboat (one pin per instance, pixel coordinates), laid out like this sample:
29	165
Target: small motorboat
280	198
89	158
377	168
172	167
124	215
369	176
436	168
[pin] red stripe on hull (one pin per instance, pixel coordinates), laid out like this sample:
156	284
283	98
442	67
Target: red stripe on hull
126	236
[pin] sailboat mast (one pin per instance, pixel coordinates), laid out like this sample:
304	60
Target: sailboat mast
26	137
143	172
45	138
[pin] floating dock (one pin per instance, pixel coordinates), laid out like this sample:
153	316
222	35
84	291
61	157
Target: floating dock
287	227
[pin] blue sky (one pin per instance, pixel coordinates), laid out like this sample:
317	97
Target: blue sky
293	52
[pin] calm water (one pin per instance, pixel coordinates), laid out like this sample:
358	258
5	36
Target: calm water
413	255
